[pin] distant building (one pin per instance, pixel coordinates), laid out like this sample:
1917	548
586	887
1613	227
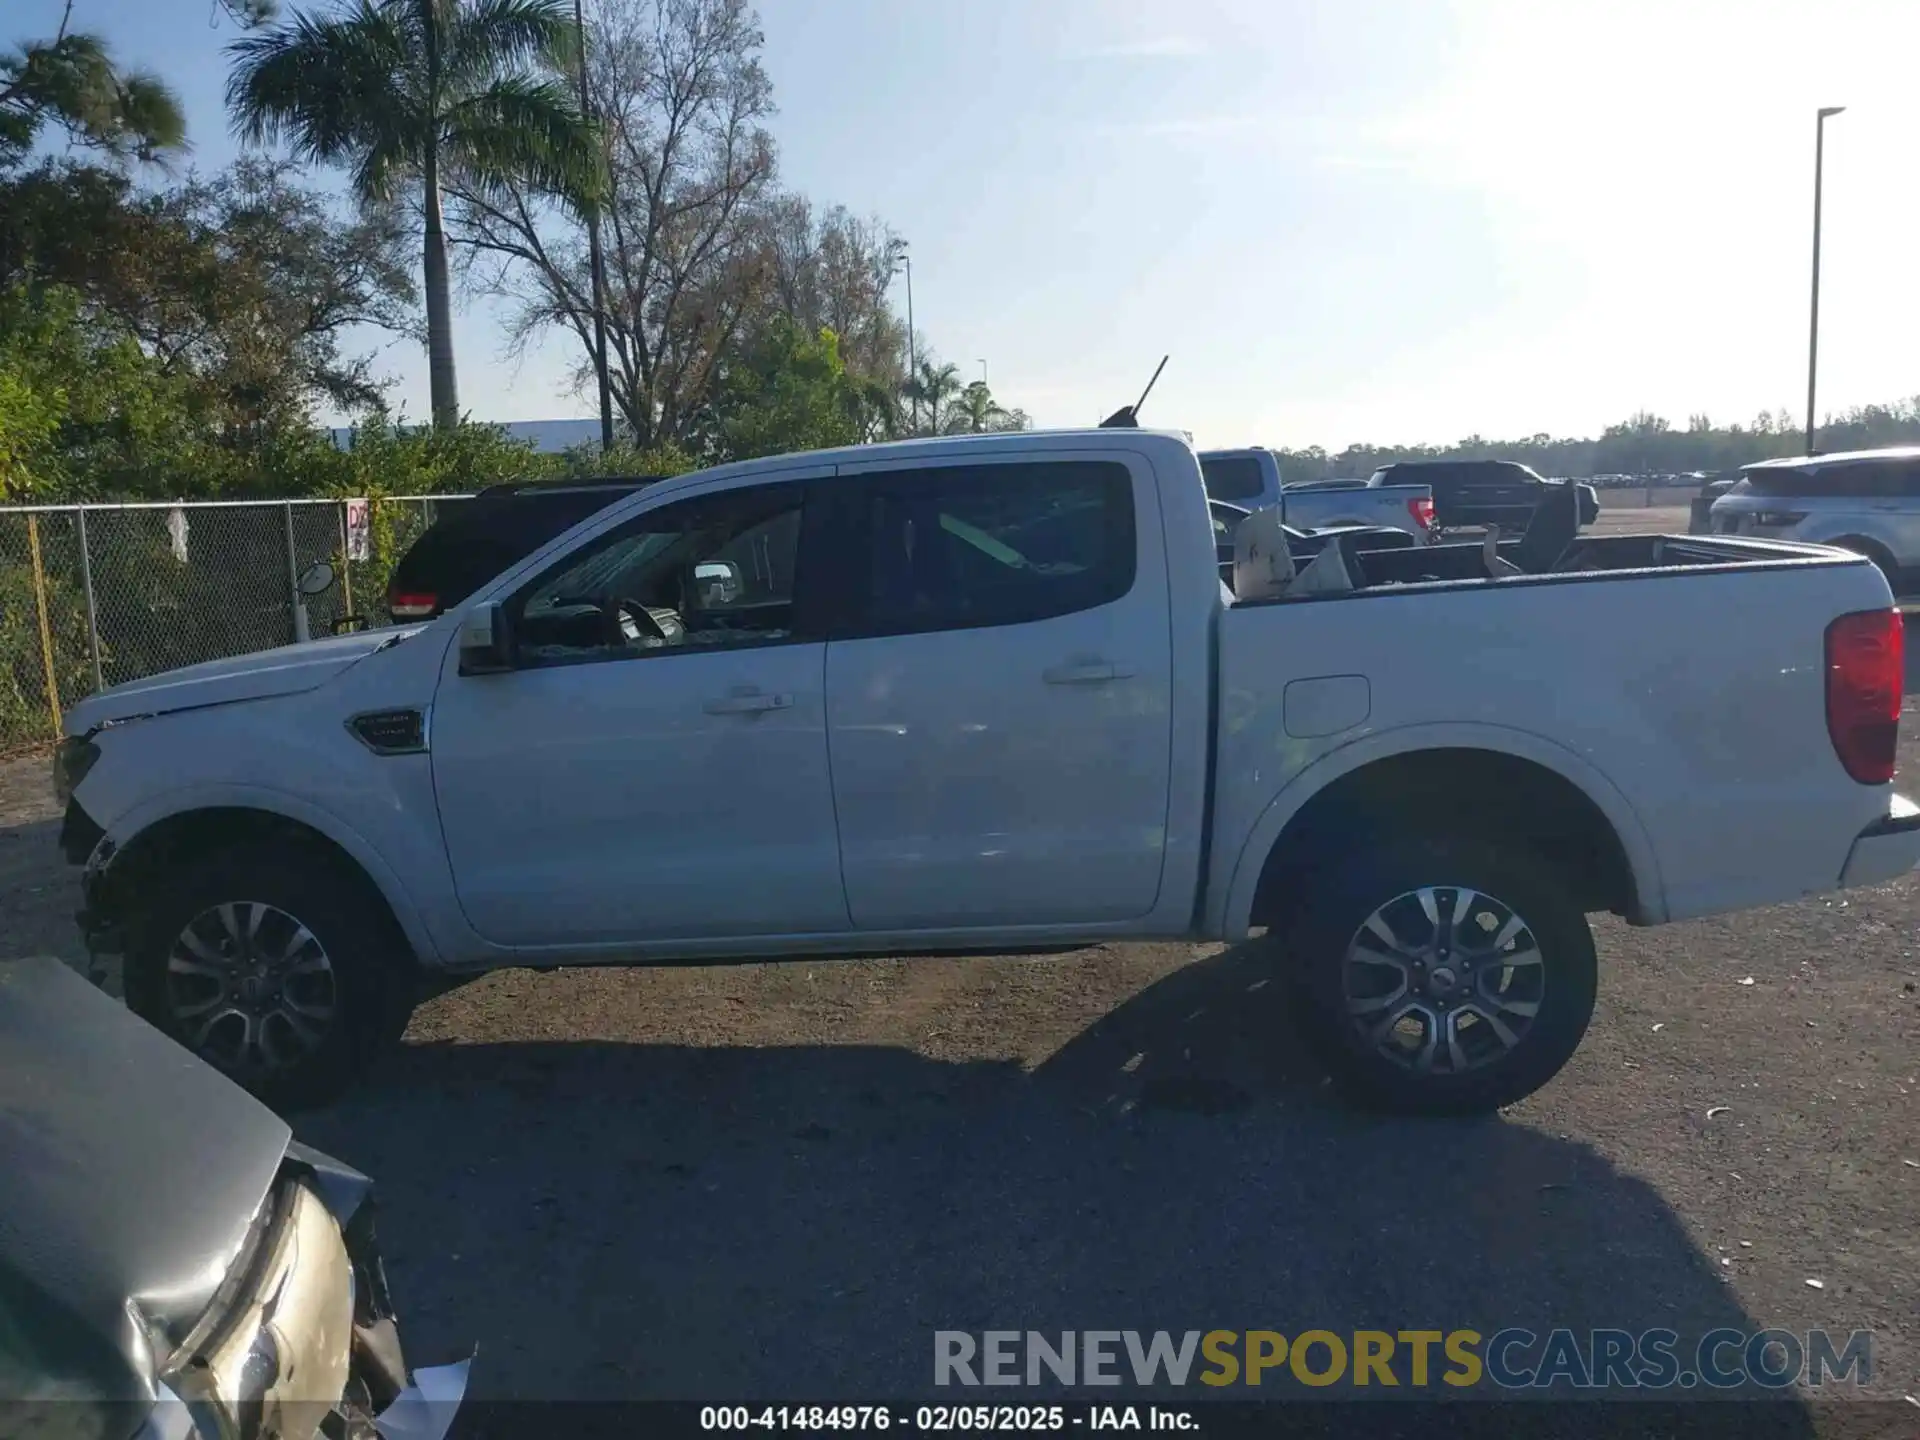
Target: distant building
549	437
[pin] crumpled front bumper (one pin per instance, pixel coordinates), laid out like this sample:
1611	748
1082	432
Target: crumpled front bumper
101	916
275	1357
1886	849
303	1342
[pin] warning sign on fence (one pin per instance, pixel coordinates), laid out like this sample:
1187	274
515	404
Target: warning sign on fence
358	522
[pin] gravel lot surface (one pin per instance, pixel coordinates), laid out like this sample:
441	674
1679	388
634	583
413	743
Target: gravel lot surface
1635	519
778	1180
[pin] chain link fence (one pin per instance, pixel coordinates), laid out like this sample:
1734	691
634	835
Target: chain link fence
96	595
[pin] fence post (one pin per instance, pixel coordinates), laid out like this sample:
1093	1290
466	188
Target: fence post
293	578
46	630
86	584
346	564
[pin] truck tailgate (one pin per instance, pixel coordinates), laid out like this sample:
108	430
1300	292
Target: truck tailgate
1690	704
1397	506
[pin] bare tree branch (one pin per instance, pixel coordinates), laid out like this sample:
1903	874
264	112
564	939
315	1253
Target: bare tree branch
682	99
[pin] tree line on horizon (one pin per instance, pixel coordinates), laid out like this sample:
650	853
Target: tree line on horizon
1645	444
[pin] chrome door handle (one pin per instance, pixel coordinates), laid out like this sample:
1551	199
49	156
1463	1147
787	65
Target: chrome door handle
747	702
1085	672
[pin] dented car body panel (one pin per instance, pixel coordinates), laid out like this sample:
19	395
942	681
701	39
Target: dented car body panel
165	1242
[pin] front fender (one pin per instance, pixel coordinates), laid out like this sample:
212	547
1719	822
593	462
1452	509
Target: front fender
127	827
1230	906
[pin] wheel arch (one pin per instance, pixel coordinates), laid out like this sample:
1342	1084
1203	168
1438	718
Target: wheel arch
1875	550
1428	775
167	832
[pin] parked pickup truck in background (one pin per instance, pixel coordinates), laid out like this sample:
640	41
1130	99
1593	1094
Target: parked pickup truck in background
987	693
1866	501
1251	478
1471	494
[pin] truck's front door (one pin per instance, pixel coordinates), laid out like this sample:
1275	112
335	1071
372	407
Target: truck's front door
655	767
998	693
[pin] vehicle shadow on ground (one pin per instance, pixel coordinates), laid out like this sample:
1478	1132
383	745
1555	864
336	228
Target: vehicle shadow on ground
613	1221
38	894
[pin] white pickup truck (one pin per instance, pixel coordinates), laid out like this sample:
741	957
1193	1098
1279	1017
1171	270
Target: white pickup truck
1250	478
985	694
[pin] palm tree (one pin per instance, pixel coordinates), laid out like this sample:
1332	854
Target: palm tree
412	91
976	411
932	390
72	82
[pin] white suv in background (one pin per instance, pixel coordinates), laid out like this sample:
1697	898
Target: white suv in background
1866	501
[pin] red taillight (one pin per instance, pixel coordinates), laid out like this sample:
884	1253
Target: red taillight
1422	512
412	606
1865	675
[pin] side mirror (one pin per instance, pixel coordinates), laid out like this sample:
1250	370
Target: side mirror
316	579
486	640
716	582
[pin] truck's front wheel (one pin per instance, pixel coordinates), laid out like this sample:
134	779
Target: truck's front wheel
272	966
1442	976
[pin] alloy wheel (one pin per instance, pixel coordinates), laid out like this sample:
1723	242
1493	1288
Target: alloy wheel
1443	979
250	988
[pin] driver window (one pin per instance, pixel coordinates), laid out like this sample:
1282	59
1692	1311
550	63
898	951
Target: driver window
711	571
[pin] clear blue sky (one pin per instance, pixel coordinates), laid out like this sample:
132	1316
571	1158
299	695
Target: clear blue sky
1387	220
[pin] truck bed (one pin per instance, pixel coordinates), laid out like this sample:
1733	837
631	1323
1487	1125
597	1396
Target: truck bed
1612	556
1698	687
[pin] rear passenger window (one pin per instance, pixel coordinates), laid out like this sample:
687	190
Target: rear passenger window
1886	480
955	548
1864	480
1234	478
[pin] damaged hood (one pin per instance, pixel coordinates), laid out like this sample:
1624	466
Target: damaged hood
288	670
130	1175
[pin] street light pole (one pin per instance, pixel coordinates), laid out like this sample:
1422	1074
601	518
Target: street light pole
1813	323
983	370
596	262
913	358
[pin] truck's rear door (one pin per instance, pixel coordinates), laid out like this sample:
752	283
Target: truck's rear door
998	698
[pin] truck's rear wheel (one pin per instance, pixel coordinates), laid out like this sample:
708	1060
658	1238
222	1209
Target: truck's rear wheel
1442	977
271	966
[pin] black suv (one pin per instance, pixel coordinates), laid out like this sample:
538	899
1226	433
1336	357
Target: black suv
1481	492
474	540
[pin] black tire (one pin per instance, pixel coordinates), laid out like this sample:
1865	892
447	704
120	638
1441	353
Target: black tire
370	980
1377	1061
